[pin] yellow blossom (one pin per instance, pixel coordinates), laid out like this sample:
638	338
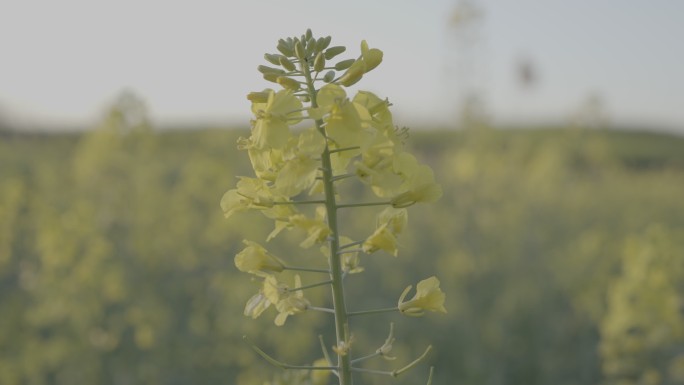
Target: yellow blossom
255	259
250	193
273	118
256	305
396	219
381	239
291	302
428	297
316	228
320	377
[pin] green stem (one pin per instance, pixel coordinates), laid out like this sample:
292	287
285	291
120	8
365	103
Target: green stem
351	244
344	149
374	311
311	286
321	309
340	309
344	176
300	202
363	204
311	270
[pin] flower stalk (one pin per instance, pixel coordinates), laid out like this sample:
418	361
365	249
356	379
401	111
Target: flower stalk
347	139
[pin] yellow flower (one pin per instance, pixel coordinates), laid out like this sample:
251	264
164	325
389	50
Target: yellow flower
272	126
255	259
316	228
396	219
250	193
419	182
428	297
381	239
291	302
350	261
320	377
256	305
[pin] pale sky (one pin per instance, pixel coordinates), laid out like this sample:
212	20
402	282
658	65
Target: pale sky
62	62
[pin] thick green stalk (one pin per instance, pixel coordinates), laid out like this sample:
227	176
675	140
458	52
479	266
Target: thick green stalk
340	308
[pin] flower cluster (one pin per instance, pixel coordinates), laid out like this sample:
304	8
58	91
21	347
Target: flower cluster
305	138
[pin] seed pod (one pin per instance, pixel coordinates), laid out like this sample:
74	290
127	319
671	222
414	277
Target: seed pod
288	83
285	47
344	64
323	43
270	70
329	76
319	62
334	51
273	58
287	64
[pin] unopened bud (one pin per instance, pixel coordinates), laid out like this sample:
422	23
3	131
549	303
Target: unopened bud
270	70
311	45
323	43
288	83
272	77
344	64
319	62
308	34
299	50
287	64
372	58
284	47
329	76
353	74
273	58
334	51
258	97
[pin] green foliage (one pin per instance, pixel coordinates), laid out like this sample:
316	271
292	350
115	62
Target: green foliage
116	265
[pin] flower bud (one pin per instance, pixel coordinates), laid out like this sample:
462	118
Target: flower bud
311	45
323	43
344	64
288	83
270	70
372	58
258	97
329	76
319	62
353	74
334	51
308	34
285	48
299	50
273	58
272	77
287	64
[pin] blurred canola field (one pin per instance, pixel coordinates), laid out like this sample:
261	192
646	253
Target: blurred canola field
561	252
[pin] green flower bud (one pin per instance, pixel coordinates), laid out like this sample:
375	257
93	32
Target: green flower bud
329	76
344	64
270	70
334	51
273	58
353	74
319	62
323	43
272	77
287	64
258	97
299	50
372	58
285	47
311	45
288	83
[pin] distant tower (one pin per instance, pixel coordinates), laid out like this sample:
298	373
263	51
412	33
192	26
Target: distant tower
465	67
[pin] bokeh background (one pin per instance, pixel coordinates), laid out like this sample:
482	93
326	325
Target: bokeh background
554	128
